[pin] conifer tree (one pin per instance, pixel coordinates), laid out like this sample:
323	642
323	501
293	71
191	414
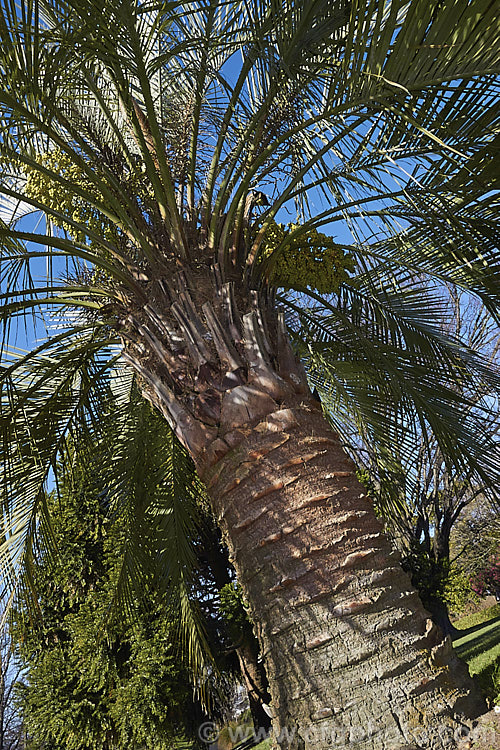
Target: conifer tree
95	681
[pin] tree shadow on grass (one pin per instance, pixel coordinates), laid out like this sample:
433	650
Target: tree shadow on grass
474	628
482	643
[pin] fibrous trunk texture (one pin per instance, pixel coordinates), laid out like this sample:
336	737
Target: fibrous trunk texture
352	657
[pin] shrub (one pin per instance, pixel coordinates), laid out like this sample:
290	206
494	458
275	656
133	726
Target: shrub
488	579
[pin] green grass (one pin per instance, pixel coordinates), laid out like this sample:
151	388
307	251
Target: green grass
242	728
478	618
266	745
479	646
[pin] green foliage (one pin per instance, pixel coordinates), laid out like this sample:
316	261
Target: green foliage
439	580
92	682
234	610
457	590
309	260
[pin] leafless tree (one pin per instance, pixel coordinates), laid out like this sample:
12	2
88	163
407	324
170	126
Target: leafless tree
12	735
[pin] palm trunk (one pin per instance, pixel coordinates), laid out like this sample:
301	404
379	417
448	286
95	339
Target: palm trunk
352	657
351	654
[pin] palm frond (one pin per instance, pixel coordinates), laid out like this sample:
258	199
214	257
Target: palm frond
151	484
66	397
389	374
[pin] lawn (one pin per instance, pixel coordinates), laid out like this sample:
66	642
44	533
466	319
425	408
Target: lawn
479	646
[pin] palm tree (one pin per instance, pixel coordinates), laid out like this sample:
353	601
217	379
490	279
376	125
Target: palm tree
167	144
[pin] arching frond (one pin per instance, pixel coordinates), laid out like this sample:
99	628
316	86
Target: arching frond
66	396
386	369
